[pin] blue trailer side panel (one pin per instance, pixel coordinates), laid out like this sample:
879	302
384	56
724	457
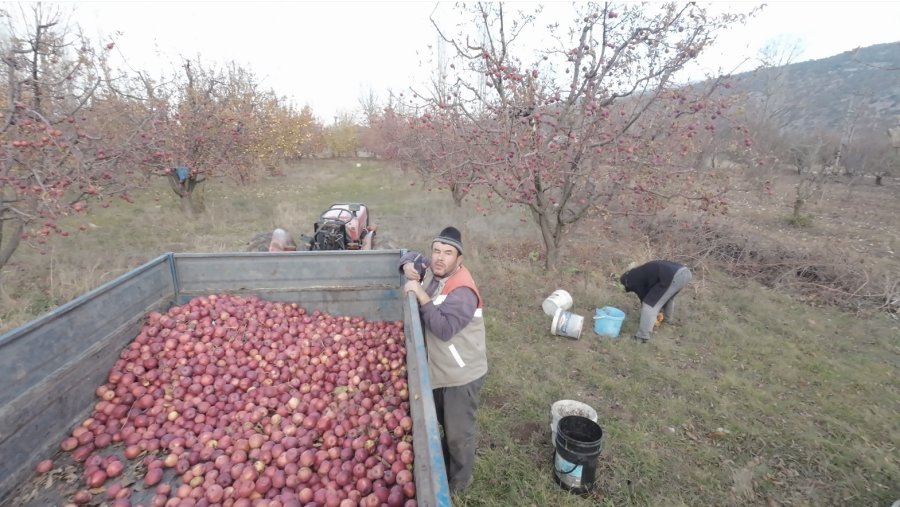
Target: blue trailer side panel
50	367
45	344
427	442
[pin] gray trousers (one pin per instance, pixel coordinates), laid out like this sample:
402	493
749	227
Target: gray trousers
455	407
666	303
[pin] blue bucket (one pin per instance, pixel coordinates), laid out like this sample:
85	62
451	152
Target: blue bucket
608	321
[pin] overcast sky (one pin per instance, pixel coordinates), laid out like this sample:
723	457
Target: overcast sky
328	54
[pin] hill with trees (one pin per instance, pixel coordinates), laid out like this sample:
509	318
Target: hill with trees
861	85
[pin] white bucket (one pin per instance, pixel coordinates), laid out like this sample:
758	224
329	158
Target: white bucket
559	300
563	408
566	324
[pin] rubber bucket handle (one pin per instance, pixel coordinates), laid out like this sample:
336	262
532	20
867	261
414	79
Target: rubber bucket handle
570	471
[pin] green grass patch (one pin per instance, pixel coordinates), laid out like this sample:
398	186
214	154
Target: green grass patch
800	220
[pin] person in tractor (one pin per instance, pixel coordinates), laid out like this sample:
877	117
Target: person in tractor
282	241
656	284
450	307
369	240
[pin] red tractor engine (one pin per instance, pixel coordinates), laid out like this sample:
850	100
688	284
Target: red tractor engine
343	226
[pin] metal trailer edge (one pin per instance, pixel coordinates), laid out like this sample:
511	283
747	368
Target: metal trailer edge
50	367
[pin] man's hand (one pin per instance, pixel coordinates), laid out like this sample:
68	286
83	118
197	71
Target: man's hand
411	286
416	288
409	270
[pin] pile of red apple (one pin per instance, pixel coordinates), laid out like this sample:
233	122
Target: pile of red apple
238	401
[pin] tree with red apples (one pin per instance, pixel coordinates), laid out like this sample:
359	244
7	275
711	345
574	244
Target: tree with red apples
387	129
208	120
589	123
219	123
60	150
77	131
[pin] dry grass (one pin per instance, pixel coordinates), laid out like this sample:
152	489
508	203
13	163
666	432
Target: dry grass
848	256
845	214
806	397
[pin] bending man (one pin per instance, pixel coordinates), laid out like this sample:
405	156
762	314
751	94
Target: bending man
656	284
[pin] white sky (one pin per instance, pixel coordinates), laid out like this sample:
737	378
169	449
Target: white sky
328	54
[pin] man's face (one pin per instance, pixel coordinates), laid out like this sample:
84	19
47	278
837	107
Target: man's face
444	259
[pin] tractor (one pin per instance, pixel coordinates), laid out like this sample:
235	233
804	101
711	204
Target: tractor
343	226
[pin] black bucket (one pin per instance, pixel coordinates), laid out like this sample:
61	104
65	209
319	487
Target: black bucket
578	443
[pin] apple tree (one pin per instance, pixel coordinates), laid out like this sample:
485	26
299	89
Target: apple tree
389	127
281	132
342	138
571	120
59	152
312	141
217	122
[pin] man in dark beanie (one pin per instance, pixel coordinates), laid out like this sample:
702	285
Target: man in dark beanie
656	284
450	307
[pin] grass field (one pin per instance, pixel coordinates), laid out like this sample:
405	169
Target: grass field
752	397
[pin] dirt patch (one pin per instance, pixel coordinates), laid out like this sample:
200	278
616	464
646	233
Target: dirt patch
495	399
527	432
821	275
744	487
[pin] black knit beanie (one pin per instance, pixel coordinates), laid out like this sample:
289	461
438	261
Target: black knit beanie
450	236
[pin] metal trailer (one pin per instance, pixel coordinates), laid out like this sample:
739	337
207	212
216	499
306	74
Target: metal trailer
51	366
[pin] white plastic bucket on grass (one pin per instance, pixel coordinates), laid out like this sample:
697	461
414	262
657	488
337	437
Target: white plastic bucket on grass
559	300
566	324
562	408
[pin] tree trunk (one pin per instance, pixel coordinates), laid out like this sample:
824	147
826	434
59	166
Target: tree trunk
551	233
798	206
847	137
552	261
189	195
10	233
192	203
457	193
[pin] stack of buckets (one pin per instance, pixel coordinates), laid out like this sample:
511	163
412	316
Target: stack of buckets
607	320
565	323
577	440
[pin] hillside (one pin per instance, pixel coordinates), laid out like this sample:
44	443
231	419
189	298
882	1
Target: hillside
821	94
